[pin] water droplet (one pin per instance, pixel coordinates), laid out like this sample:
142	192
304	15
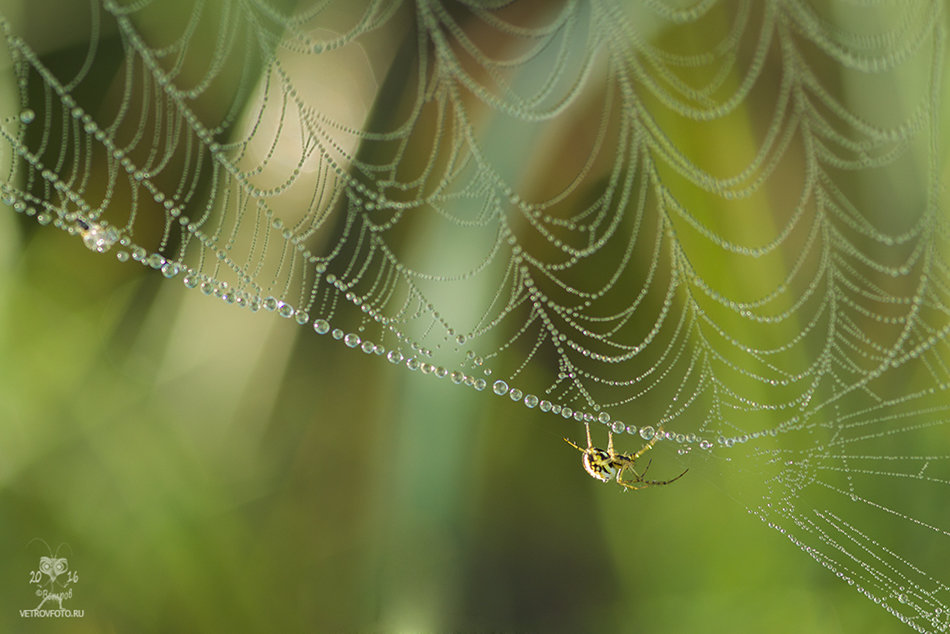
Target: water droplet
603	417
27	116
100	239
530	401
368	347
480	384
171	269
395	356
321	326
156	261
515	394
286	310
270	304
412	363
647	433
618	427
337	334
545	406
500	387
352	340
457	377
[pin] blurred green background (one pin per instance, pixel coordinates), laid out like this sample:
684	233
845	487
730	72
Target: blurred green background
214	470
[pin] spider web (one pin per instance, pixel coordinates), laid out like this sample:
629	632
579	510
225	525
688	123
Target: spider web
721	222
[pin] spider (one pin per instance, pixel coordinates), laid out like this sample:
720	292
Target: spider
610	464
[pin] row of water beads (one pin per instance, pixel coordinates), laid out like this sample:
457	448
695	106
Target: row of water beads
920	600
100	237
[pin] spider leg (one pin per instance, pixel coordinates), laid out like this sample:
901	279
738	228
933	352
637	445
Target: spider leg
628	465
647	447
568	441
647	468
639	483
634	486
660	482
589	443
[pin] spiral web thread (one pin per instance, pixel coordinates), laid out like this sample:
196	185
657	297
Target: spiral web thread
723	218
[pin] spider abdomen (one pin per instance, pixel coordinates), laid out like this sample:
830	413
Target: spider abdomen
599	464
